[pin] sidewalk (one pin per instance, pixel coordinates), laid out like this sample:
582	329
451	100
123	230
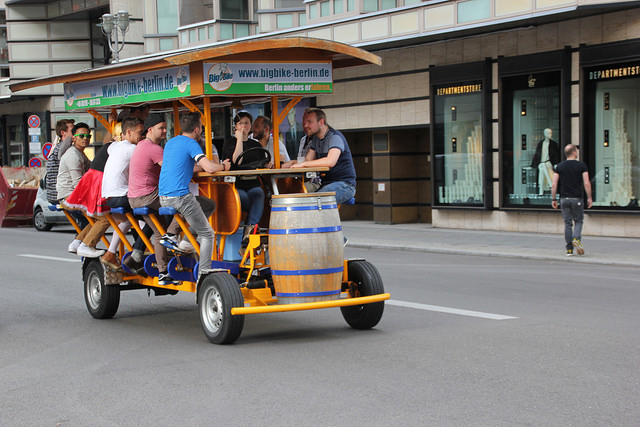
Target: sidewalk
423	237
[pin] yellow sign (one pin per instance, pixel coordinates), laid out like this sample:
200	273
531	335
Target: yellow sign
460	89
613	73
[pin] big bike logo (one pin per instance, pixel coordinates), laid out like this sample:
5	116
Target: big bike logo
220	77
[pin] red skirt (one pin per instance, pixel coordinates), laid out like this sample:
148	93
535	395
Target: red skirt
87	196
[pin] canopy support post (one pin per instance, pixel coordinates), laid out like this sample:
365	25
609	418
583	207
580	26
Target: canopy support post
102	120
277	118
176	118
207	127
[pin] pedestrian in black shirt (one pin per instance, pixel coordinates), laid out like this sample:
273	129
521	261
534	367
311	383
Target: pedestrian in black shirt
572	178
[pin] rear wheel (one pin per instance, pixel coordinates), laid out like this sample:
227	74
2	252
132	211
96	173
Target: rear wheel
39	221
102	300
366	281
219	293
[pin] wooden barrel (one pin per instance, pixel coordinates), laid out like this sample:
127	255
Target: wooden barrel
306	248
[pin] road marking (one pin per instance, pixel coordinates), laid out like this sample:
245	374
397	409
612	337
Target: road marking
449	310
51	258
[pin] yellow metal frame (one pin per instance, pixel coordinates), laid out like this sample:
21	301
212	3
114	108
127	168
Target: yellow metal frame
277	308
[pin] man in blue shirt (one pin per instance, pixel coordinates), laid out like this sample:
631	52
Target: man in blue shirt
329	148
182	157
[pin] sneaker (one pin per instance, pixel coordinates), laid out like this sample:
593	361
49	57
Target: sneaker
111	260
164	279
569	252
73	246
134	266
169	241
89	252
578	245
185	246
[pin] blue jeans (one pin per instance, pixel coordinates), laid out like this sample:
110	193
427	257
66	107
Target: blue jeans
572	211
190	208
252	201
344	191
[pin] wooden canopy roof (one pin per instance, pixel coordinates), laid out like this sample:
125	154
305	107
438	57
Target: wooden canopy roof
290	49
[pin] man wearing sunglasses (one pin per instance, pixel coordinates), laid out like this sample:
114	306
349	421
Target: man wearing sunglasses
74	163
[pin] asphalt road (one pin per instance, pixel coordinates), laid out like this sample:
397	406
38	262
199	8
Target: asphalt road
465	341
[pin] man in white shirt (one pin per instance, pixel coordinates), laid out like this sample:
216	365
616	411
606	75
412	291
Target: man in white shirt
115	180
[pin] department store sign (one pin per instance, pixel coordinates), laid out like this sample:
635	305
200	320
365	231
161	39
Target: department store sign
459	89
222	78
615	72
156	85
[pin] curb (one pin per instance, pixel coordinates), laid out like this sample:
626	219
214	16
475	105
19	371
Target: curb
579	259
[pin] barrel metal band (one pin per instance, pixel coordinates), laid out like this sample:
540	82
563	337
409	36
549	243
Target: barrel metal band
307	272
302	208
305	230
307	294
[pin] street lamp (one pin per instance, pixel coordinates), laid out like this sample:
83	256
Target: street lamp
111	25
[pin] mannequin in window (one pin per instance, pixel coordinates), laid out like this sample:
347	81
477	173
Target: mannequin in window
547	156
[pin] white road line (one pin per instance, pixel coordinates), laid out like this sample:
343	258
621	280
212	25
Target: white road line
449	310
51	258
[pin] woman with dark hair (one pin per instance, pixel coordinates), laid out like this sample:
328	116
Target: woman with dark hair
249	189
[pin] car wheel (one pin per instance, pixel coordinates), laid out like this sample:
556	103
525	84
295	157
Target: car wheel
219	293
365	281
39	221
102	300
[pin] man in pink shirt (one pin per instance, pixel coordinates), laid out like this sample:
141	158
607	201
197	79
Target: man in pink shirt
144	173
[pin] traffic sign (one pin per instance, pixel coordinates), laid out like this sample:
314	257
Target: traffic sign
35	162
34	121
35	138
46	150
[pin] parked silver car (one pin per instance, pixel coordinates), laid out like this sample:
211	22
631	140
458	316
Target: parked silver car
43	218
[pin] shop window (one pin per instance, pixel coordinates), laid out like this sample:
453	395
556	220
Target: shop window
613	149
234	9
193	11
458	145
226	31
531	145
473	10
166	44
288	4
388	4
242	30
338	6
167	11
370	6
284	20
325	8
313	11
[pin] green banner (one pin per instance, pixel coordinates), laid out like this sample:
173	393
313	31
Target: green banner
157	85
267	79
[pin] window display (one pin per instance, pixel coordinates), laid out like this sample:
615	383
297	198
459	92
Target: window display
458	145
531	145
614	148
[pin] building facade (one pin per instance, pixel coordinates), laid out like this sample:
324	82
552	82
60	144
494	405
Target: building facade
461	125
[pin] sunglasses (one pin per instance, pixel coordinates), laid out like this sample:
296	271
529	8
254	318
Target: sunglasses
83	135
